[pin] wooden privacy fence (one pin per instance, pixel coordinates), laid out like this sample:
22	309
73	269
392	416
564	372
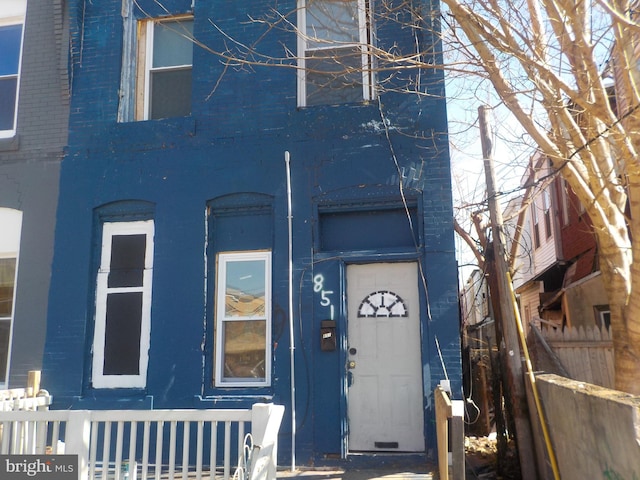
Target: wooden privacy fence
146	444
583	354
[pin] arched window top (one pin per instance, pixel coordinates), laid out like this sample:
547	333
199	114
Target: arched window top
382	303
126	210
245	201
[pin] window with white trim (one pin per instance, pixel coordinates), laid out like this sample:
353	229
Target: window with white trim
163	68
535	223
11	224
11	31
334	45
123	305
603	316
546	209
243	319
564	187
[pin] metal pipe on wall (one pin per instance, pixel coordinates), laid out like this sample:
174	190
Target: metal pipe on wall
287	159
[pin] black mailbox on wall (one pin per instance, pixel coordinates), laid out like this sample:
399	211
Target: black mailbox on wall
328	342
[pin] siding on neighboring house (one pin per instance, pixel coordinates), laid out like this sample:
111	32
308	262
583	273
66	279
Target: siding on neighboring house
545	252
29	170
529	302
539	260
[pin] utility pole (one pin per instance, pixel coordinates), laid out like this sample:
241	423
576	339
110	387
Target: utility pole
510	348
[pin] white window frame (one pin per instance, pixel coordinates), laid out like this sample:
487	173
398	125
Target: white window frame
601	311
109	230
565	202
144	62
365	36
546	209
222	261
11	221
14	12
536	224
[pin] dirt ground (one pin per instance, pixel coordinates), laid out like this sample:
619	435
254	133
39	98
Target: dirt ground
482	460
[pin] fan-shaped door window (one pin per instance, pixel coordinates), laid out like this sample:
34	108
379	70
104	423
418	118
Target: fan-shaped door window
382	304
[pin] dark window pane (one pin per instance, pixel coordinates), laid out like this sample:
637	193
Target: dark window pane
122	334
170	94
334	76
8	89
244	349
172	44
332	21
7	283
127	260
10	39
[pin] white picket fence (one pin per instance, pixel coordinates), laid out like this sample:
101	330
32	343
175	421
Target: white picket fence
150	444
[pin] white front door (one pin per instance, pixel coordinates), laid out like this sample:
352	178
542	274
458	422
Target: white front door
384	399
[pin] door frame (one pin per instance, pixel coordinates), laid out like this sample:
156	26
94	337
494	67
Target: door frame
343	341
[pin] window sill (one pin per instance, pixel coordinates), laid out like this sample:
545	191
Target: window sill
10	144
112	402
230	400
359	103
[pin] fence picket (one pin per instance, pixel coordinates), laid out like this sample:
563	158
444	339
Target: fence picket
214	450
159	432
199	442
133	434
185	450
172	449
227	450
146	434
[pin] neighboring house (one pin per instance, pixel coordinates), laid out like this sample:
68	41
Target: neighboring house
34	112
172	283
539	259
563	287
477	320
582	300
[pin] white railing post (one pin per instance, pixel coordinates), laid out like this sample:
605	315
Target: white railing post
77	436
265	424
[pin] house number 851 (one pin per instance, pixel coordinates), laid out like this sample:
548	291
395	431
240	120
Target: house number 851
318	287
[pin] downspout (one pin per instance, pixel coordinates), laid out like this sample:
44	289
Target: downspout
291	338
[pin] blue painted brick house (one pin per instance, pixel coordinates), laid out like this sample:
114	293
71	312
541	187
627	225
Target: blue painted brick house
178	270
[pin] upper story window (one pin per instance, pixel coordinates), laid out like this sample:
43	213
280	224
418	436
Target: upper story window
335	62
165	58
564	193
123	305
546	209
11	221
11	27
243	319
536	225
158	61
